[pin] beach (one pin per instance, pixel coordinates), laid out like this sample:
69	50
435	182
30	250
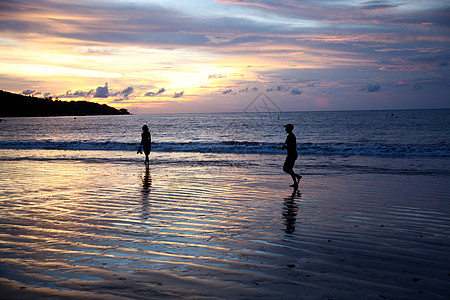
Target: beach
214	227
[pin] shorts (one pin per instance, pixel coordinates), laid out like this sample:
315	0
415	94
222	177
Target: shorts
289	163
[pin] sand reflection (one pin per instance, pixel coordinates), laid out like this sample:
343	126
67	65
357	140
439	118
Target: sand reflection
145	192
290	211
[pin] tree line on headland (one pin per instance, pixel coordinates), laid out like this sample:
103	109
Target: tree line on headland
15	105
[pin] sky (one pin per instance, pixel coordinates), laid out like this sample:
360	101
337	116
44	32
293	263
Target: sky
187	56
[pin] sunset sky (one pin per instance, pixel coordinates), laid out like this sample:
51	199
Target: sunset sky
210	56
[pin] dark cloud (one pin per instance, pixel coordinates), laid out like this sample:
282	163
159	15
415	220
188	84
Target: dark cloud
178	95
83	94
416	87
126	92
296	92
77	94
247	89
151	94
370	88
102	91
377	5
28	92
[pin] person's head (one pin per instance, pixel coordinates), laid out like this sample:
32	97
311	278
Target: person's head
289	127
145	128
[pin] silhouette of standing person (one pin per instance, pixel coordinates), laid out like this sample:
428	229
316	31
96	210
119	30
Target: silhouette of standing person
146	143
291	146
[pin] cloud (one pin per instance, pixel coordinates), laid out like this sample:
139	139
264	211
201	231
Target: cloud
151	94
370	88
83	94
102	91
377	5
28	92
416	87
178	95
126	92
296	92
77	94
216	76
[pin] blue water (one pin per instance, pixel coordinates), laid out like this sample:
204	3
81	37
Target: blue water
412	135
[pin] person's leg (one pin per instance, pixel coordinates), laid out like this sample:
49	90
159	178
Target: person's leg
288	168
297	176
294	177
147	153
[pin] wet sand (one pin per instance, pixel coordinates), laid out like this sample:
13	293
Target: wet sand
114	230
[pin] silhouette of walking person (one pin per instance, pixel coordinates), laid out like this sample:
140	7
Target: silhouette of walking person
146	143
291	146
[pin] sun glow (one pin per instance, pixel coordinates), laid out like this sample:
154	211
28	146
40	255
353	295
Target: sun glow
197	76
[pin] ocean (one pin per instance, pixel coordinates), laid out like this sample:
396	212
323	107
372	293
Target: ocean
403	141
213	215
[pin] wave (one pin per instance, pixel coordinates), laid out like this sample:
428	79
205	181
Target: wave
244	147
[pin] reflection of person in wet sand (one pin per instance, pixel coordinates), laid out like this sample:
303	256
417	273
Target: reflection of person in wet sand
146	143
290	211
291	146
146	182
146	188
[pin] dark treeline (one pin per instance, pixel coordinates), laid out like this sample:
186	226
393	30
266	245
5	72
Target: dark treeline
15	105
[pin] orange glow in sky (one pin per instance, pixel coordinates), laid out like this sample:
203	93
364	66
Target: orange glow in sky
181	56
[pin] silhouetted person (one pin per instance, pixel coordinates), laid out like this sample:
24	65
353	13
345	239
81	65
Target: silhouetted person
146	143
291	146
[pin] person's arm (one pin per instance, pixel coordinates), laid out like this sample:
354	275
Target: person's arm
285	144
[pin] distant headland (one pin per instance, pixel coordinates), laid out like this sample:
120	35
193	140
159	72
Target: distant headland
15	105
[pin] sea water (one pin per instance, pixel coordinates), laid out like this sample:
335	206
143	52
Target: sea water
401	141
